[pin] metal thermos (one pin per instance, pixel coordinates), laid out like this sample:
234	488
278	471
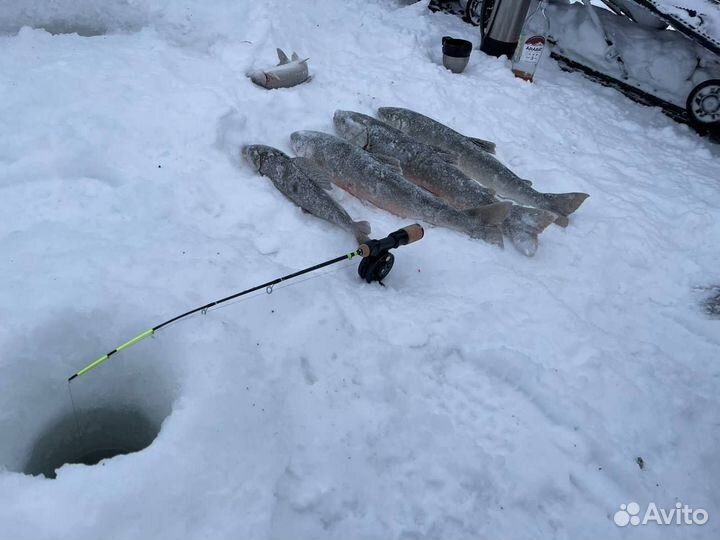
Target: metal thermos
504	22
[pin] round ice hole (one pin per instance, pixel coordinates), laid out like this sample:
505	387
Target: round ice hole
95	435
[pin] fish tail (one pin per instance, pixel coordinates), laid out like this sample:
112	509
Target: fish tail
525	224
477	227
565	203
361	230
492	234
526	242
490	214
530	220
563	221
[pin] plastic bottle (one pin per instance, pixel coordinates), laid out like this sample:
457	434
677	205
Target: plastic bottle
531	43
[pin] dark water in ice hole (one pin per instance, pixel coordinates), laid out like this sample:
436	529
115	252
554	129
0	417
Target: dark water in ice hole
104	433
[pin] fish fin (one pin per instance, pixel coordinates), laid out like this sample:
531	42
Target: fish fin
492	234
490	214
487	146
530	220
362	231
524	225
294	57
271	75
282	57
446	156
314	171
564	203
524	241
389	161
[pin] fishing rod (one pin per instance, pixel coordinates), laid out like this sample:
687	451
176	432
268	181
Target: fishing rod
377	261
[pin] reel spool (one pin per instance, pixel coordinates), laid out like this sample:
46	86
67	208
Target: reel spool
376	268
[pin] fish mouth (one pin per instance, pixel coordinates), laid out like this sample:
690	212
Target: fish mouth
250	153
258	77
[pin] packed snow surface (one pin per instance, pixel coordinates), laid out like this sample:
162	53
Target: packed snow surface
480	394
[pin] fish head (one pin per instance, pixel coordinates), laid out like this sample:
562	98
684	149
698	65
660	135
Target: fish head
259	155
303	143
353	127
393	116
258	77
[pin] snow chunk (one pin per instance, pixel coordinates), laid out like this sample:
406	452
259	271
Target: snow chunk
82	17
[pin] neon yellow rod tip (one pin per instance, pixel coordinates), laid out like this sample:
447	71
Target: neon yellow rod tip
104	357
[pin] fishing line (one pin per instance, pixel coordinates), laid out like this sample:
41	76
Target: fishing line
78	431
279	287
377	261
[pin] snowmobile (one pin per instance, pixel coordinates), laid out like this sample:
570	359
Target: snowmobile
663	53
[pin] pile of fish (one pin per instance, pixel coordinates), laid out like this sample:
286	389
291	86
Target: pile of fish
414	167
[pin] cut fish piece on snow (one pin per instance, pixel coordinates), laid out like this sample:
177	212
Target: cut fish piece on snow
363	176
289	72
294	179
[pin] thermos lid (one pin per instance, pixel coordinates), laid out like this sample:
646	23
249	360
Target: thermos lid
459	48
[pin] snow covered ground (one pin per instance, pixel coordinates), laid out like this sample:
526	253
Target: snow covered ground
481	394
